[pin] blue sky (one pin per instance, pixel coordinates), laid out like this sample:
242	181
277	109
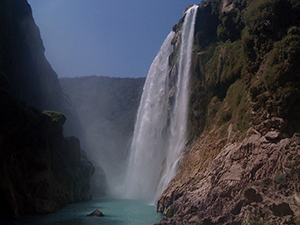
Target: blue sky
105	37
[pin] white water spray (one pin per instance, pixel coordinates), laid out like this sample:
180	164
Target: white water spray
160	130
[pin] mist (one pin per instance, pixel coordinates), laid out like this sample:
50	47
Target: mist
107	109
112	39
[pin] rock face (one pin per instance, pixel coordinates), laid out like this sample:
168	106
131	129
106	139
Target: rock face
41	171
254	180
25	71
31	78
241	165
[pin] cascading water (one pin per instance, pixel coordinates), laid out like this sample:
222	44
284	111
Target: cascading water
148	144
160	129
178	118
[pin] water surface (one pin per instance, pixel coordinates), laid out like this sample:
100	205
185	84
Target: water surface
116	211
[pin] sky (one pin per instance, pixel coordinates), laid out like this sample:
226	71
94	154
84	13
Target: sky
105	37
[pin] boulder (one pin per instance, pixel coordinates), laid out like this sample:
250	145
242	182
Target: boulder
96	213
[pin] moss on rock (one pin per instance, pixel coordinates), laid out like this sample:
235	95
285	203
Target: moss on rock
244	92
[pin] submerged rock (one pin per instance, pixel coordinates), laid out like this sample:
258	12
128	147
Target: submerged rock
97	213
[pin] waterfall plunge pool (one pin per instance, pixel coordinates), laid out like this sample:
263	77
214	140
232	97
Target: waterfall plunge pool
116	211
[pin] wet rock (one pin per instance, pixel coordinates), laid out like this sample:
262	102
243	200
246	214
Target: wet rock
96	213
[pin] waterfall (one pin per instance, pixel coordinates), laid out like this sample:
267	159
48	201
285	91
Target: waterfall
160	129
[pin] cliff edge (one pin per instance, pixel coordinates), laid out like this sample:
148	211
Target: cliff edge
241	164
24	69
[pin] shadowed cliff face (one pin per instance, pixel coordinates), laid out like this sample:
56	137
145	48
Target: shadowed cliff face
22	61
241	163
28	75
41	171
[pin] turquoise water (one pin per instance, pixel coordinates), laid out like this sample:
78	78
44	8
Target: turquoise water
117	212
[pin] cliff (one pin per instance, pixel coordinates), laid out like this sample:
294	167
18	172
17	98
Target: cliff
41	170
107	109
27	74
241	164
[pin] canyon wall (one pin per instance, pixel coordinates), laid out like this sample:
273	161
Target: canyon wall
41	170
24	69
241	163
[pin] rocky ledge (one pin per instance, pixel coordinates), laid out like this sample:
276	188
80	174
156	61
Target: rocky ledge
254	181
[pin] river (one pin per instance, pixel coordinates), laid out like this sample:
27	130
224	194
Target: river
116	211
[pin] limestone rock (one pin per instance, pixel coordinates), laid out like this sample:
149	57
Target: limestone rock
242	163
236	188
273	136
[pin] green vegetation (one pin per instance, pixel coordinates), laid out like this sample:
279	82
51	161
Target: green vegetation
282	63
223	98
230	26
247	61
56	116
225	64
